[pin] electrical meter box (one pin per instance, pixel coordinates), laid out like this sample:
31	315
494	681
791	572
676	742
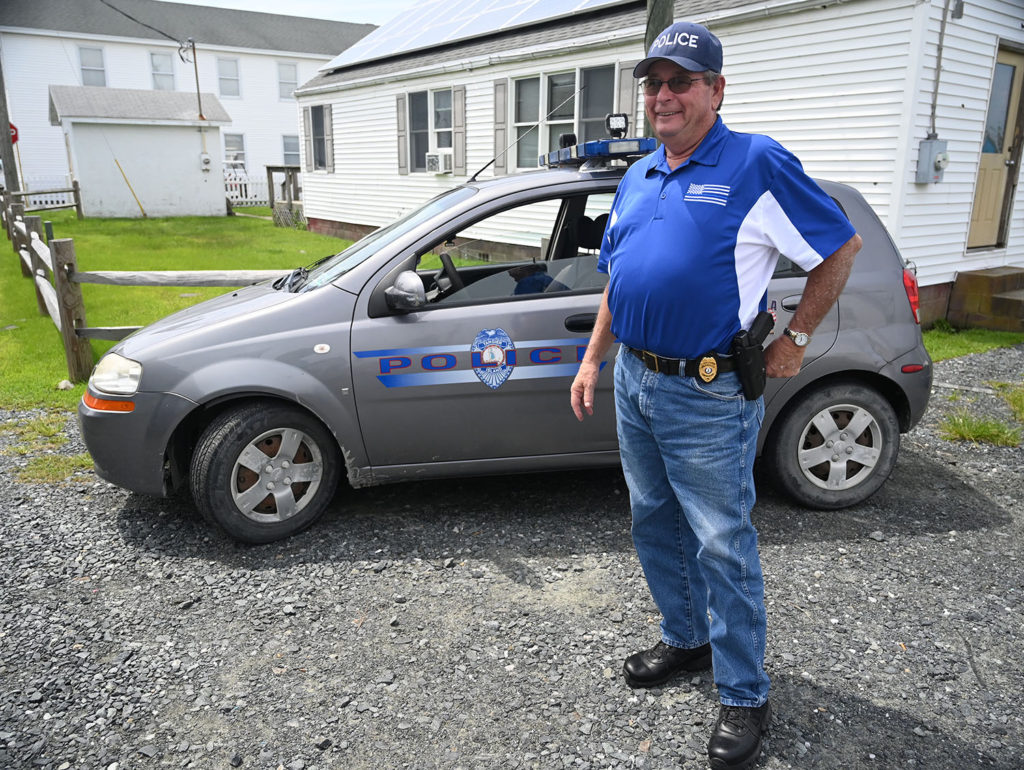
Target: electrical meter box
932	159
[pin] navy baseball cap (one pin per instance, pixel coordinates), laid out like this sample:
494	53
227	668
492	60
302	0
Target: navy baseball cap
689	45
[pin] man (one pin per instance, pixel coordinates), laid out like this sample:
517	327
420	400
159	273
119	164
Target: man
692	240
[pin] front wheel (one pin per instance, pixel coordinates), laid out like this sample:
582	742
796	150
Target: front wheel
264	472
834	446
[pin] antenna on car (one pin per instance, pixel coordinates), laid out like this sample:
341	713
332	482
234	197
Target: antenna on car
525	133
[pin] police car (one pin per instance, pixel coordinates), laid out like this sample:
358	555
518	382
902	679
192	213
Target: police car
367	369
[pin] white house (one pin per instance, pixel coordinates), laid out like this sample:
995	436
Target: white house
853	87
251	61
111	135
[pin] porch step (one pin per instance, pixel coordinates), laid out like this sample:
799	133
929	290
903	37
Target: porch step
990	299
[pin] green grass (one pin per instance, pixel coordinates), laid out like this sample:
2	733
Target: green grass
944	341
52	469
31	356
1013	395
39	440
258	211
37	435
961	425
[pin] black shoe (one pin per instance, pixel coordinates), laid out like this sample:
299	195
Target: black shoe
736	741
662	662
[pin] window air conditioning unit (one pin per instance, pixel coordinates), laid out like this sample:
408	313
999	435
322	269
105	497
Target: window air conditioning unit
439	162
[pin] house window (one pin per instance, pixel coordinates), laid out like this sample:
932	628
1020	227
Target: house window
318	132
442	118
596	101
162	65
526	114
545	107
561	105
234	152
287	79
227	76
430	125
93	73
291	150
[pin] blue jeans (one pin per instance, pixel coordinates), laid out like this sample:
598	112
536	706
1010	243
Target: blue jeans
688	452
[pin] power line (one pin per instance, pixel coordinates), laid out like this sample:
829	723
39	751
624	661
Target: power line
144	24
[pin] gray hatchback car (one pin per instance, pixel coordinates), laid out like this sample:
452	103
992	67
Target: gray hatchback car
365	367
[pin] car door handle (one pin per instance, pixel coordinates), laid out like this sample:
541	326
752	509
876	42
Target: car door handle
789	303
584	322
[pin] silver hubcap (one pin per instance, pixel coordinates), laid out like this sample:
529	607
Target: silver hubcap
276	475
840	447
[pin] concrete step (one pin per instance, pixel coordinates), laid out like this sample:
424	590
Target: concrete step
990	299
1008	310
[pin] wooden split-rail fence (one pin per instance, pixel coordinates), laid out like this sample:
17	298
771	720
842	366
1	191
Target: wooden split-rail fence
52	265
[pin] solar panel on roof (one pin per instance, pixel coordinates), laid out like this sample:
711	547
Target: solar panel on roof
433	22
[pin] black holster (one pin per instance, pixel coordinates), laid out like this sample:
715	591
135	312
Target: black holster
748	352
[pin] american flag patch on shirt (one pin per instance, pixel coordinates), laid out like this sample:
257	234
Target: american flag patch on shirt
708	193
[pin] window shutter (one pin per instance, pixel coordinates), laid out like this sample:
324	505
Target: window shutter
459	131
307	124
403	139
627	97
328	140
500	126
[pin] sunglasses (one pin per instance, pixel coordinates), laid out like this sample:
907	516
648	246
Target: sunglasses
677	85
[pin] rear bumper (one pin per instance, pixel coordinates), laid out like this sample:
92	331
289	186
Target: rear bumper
916	385
129	448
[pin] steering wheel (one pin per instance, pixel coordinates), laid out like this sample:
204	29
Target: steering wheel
448	270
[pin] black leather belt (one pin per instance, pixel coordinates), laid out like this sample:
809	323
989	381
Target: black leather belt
706	367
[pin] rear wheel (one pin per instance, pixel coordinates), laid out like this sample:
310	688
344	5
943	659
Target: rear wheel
263	472
835	445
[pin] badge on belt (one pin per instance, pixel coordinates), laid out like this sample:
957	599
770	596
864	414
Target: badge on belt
707	368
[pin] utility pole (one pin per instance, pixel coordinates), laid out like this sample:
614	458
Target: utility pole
659	16
6	146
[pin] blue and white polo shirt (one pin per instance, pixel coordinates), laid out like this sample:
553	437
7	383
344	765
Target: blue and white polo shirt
689	252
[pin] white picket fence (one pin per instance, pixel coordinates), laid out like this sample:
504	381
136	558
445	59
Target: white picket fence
244	189
55	192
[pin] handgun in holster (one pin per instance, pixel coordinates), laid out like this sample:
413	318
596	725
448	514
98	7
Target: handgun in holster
748	351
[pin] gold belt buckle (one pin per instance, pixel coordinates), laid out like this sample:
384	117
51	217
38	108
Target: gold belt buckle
649	356
707	368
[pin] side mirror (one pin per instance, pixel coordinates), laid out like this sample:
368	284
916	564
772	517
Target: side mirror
407	293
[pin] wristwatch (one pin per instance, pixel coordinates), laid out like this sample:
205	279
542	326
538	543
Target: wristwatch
800	339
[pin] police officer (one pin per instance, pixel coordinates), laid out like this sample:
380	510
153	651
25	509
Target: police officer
693	236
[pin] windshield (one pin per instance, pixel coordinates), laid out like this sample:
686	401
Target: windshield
333	267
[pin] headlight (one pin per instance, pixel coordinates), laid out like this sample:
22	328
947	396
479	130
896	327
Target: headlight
116	374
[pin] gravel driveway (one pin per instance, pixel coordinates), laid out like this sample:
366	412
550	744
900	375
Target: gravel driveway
482	624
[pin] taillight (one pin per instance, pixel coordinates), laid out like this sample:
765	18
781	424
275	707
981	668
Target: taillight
913	294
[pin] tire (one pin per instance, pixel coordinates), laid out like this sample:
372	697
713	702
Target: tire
814	457
264	447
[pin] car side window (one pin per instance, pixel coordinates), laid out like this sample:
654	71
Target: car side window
786	268
538	248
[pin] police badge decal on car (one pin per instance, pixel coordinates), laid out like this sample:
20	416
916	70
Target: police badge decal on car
494	357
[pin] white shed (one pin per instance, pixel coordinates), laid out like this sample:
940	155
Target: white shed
142	153
853	87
